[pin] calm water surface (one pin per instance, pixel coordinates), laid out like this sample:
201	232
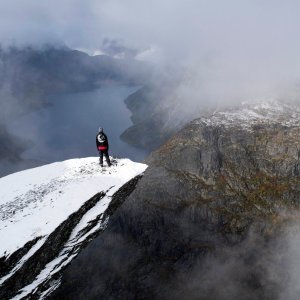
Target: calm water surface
68	128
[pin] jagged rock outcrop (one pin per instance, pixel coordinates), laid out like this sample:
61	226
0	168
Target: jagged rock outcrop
205	220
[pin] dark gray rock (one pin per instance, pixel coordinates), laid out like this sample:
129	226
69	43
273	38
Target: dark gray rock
203	221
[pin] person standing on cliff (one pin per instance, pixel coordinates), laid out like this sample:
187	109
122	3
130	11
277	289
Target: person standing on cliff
102	146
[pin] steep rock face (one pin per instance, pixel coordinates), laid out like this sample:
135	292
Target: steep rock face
148	117
205	220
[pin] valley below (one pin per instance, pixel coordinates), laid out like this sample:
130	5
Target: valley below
53	101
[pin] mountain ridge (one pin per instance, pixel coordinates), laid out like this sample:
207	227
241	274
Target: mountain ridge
46	220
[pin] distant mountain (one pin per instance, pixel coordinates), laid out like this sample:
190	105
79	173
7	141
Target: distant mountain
48	214
149	129
158	113
27	74
208	220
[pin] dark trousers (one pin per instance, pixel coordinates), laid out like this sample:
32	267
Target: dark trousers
105	153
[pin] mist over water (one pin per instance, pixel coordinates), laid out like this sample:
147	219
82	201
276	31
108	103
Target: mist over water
68	126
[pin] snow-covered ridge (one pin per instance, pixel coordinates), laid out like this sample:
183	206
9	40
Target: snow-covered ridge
263	111
35	202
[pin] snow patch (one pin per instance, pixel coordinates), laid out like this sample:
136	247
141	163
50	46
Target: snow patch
34	202
262	111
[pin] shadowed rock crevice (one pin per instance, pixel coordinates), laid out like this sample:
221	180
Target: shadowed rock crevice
8	263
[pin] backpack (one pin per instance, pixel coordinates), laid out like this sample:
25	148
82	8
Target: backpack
101	138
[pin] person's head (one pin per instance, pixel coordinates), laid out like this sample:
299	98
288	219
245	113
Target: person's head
100	129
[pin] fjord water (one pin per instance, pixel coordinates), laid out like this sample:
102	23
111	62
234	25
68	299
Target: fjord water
67	128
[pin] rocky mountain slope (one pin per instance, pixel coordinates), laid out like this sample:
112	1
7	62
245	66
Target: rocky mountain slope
48	214
209	218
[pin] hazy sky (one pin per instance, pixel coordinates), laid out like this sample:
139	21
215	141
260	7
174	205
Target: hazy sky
178	28
231	49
